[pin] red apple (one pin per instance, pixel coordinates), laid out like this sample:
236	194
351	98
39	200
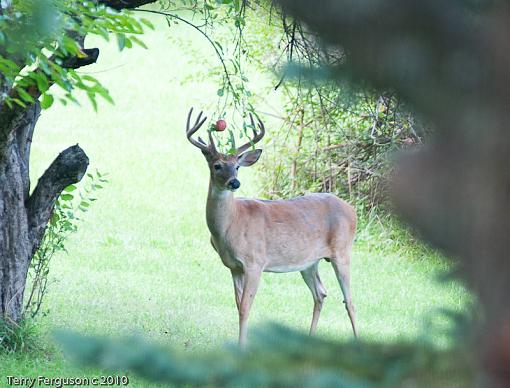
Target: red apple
221	125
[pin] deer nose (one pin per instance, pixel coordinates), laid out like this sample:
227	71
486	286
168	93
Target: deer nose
234	184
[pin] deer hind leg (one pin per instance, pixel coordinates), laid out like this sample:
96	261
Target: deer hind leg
313	281
341	264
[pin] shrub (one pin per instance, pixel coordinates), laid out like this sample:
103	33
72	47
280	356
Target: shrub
64	222
337	141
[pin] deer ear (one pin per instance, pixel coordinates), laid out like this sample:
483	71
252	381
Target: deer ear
249	158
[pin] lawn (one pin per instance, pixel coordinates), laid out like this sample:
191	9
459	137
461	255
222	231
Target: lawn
141	261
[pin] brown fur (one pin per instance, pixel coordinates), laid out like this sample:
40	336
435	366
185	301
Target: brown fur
253	236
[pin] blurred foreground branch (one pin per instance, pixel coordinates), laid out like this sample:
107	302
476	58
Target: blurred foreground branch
451	62
279	357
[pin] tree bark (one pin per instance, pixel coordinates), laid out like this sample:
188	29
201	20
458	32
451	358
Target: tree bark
126	4
23	217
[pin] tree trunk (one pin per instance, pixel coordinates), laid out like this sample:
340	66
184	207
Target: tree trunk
23	217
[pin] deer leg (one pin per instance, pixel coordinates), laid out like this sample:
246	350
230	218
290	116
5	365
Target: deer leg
341	267
313	281
238	278
250	286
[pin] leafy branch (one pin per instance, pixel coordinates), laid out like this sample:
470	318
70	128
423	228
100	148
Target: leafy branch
63	222
280	357
41	44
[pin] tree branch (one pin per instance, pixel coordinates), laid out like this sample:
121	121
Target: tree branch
74	62
125	4
68	168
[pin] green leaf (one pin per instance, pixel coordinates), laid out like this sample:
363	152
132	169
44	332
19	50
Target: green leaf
70	188
46	100
19	102
42	82
104	93
54	219
25	96
148	23
219	46
89	78
92	99
220	92
70	97
138	42
66	197
121	41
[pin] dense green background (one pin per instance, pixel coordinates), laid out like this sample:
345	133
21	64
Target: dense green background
141	261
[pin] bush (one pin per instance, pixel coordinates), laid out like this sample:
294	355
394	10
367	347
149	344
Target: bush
337	141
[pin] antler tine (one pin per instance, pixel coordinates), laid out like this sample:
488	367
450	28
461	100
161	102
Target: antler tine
256	136
196	127
212	146
201	140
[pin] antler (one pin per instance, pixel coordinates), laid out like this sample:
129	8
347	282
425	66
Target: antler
256	136
190	131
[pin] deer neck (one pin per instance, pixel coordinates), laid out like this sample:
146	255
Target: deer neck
220	210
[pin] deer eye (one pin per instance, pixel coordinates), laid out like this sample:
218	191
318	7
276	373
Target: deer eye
217	167
237	167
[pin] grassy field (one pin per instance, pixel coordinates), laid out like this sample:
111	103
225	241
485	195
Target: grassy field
141	261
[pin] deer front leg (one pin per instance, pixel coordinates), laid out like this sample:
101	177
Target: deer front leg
251	284
238	278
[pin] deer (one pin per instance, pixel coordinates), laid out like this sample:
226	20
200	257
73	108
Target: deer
253	236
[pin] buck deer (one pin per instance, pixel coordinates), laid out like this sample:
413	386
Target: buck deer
253	236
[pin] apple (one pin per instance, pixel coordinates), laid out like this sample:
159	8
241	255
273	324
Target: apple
221	125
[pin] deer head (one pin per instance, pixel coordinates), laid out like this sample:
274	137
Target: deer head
224	168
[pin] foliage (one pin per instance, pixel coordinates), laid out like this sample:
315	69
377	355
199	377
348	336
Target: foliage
331	138
334	136
336	141
281	357
64	222
222	24
17	337
41	39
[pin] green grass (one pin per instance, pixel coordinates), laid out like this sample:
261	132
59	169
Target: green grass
141	261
